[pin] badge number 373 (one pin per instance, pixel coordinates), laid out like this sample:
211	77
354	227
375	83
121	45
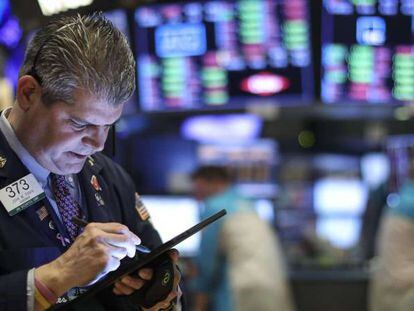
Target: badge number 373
20	194
16	188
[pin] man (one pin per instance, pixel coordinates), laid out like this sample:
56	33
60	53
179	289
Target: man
392	281
77	73
239	264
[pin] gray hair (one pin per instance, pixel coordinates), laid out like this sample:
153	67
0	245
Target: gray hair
81	52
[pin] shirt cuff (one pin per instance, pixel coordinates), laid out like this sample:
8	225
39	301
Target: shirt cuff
30	290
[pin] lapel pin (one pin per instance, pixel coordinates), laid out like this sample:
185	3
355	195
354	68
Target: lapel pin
3	161
95	183
91	161
42	213
99	199
141	209
52	225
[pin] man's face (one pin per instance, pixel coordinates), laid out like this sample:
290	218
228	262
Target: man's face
63	135
202	189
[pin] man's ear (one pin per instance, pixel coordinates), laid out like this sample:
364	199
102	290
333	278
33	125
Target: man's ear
28	92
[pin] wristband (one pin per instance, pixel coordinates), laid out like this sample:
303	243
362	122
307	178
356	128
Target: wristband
46	292
41	302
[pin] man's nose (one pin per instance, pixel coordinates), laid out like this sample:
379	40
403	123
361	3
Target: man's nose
96	137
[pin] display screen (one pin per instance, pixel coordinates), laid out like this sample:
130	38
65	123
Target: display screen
251	164
367	51
172	215
223	54
322	198
341	232
339	204
375	169
339	196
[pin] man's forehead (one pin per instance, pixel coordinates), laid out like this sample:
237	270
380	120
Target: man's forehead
93	109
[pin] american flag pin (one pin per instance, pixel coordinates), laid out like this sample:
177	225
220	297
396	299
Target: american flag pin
42	213
141	209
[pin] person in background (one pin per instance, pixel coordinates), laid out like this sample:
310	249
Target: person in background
6	93
77	73
239	265
6	88
392	281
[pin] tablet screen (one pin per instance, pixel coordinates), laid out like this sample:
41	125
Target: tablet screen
138	263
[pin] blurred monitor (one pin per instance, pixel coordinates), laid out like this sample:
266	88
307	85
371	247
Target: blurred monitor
195	55
335	164
251	164
222	128
367	51
375	169
341	232
172	215
339	204
339	196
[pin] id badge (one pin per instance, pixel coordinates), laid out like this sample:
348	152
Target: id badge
21	194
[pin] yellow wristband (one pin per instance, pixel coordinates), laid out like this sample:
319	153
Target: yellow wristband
41	301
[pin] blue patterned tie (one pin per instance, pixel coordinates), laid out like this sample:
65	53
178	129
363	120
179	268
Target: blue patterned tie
67	206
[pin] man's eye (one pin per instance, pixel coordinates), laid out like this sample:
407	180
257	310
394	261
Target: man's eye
78	126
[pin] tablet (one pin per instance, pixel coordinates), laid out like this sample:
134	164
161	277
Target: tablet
137	263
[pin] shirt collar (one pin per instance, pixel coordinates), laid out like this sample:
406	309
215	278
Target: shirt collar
28	160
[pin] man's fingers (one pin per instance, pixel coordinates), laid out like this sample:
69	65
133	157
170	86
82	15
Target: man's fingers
172	295
117	252
116	229
125	240
121	246
127	285
145	274
174	254
112	264
116	291
122	289
132	282
121	240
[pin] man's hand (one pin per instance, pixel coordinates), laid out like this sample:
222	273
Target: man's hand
128	284
94	253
